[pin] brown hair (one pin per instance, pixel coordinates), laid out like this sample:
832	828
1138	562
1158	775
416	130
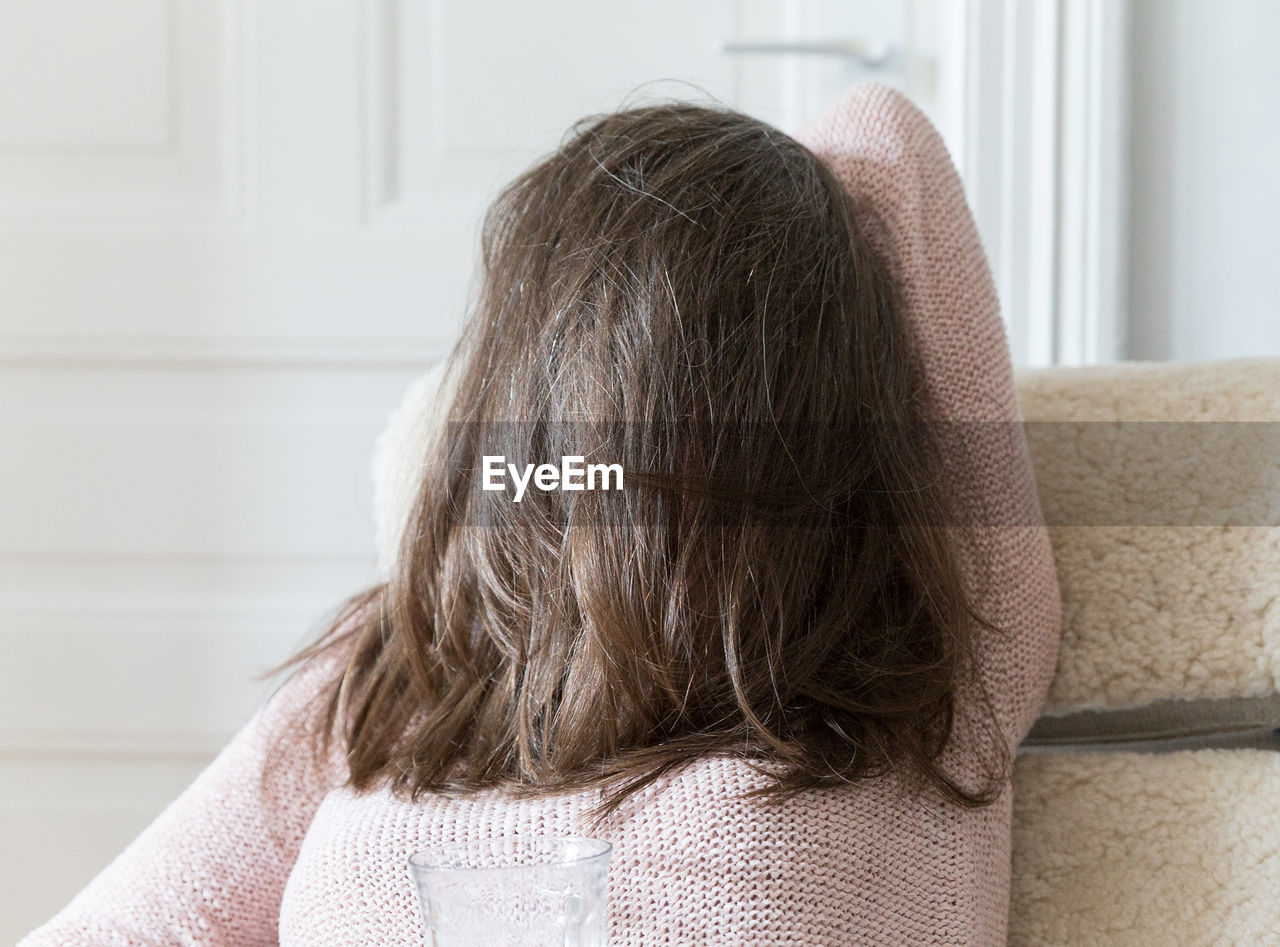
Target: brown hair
776	582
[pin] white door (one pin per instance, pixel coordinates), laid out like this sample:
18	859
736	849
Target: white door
230	234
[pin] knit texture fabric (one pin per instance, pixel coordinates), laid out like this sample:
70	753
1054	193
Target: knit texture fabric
311	863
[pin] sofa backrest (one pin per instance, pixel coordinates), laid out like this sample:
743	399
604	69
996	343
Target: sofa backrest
1160	483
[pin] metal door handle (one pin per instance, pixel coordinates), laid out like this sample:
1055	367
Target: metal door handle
869	52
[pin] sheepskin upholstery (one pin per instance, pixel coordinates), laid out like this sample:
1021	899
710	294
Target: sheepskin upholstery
397	463
1147	850
1168	554
1164	533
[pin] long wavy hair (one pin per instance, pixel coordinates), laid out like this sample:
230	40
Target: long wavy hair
775	582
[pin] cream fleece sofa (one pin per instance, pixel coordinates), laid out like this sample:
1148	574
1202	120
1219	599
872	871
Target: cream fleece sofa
1147	804
1147	798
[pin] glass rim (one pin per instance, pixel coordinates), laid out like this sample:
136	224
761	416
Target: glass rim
433	859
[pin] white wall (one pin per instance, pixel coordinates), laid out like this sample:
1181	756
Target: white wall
1205	179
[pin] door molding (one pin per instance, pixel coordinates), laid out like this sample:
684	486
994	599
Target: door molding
1035	103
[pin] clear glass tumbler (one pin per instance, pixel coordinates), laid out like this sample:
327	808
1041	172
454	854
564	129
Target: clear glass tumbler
514	892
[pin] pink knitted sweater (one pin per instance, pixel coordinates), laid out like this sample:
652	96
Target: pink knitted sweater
313	864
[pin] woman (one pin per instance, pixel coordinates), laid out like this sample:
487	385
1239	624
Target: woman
782	670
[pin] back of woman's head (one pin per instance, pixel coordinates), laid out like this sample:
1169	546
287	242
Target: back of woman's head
683	291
